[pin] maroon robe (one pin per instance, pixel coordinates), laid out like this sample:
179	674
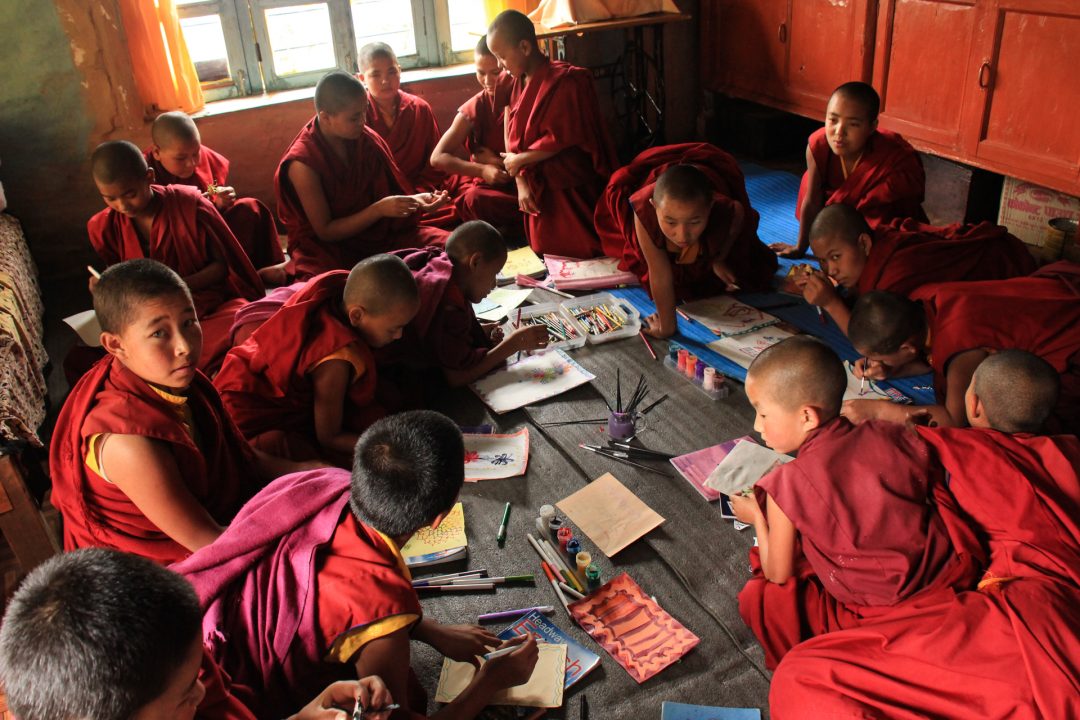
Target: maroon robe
251	222
877	527
1007	650
1039	314
369	175
557	111
216	466
475	199
628	195
887	183
266	382
906	255
186	231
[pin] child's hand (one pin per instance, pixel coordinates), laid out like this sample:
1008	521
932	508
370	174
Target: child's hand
721	270
785	250
654	327
514	668
397	206
486	156
494	175
526	202
493	330
530	337
746	508
431	201
371	691
223	197
512	162
818	289
462	642
869	369
859	411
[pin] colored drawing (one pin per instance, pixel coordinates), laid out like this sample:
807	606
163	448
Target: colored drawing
544	688
870	390
491	457
638	633
726	316
742	349
530	380
571	273
450	534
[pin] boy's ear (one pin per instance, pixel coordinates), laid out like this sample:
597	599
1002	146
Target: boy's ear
811	417
973	406
150	177
475	260
911	350
112	344
155	150
865	242
356	314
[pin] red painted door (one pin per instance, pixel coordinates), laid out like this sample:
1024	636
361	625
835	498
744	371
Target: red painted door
1027	104
743	47
831	42
922	69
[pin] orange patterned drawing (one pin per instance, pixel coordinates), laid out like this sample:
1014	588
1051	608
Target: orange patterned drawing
638	633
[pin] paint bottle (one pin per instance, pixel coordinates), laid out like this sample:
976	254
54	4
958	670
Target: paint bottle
547	512
672	359
582	560
691	363
699	372
573	547
592	576
708	379
683	352
555	524
563	536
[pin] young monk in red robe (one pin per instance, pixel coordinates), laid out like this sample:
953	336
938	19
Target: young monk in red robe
303	384
679	218
352	609
144	458
176	225
859	523
178	157
851	161
949	328
445	332
902	256
138	627
558	148
1008	649
340	194
473	146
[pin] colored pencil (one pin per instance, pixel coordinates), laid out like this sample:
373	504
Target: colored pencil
95	273
821	315
641	334
503	614
500	653
460	588
556	557
451	576
483	580
684	316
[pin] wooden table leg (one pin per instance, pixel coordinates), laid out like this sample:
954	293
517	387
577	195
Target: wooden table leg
21	521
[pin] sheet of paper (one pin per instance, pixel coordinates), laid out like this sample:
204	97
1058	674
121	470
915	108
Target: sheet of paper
531	380
726	316
485	305
492	456
571	273
742	349
869	390
747	463
611	515
522	261
450	534
697	466
638	633
87	326
506	301
543	689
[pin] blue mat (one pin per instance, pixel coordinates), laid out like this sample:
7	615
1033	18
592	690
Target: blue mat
773	194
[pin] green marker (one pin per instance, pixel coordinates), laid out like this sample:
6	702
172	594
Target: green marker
501	537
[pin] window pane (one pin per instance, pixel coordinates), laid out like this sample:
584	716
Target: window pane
468	21
206	45
388	21
300	38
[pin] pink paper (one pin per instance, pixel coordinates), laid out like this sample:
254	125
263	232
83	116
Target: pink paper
697	466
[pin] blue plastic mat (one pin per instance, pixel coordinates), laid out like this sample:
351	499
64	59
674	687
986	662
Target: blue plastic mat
773	194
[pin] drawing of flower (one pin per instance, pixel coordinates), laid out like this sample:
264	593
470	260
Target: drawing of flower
471	456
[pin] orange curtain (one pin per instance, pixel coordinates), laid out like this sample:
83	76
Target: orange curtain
164	72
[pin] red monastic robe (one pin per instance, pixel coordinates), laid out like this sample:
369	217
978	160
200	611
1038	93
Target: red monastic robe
906	255
266	384
445	332
218	703
628	194
1039	314
475	199
216	466
186	231
877	527
887	183
251	222
1008	650
557	111
367	176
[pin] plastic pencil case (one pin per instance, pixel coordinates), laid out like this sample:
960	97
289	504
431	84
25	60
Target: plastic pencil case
626	314
532	311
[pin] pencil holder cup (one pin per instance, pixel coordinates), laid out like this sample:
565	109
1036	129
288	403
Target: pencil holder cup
620	426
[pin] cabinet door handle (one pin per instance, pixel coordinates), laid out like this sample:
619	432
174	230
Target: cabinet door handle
984	75
781	33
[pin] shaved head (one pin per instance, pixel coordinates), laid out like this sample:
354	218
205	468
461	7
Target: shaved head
840	222
375	51
513	27
117	161
174	126
685	183
482	47
125	286
336	90
801	371
475	236
883	321
1018	390
380	283
863	94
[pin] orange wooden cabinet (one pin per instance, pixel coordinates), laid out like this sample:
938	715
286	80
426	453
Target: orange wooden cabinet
992	83
788	54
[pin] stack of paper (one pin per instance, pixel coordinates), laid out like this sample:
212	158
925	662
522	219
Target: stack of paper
522	261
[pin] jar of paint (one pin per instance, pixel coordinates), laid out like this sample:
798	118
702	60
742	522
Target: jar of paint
592	576
620	426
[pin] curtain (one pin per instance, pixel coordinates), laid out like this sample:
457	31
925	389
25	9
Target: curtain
164	73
